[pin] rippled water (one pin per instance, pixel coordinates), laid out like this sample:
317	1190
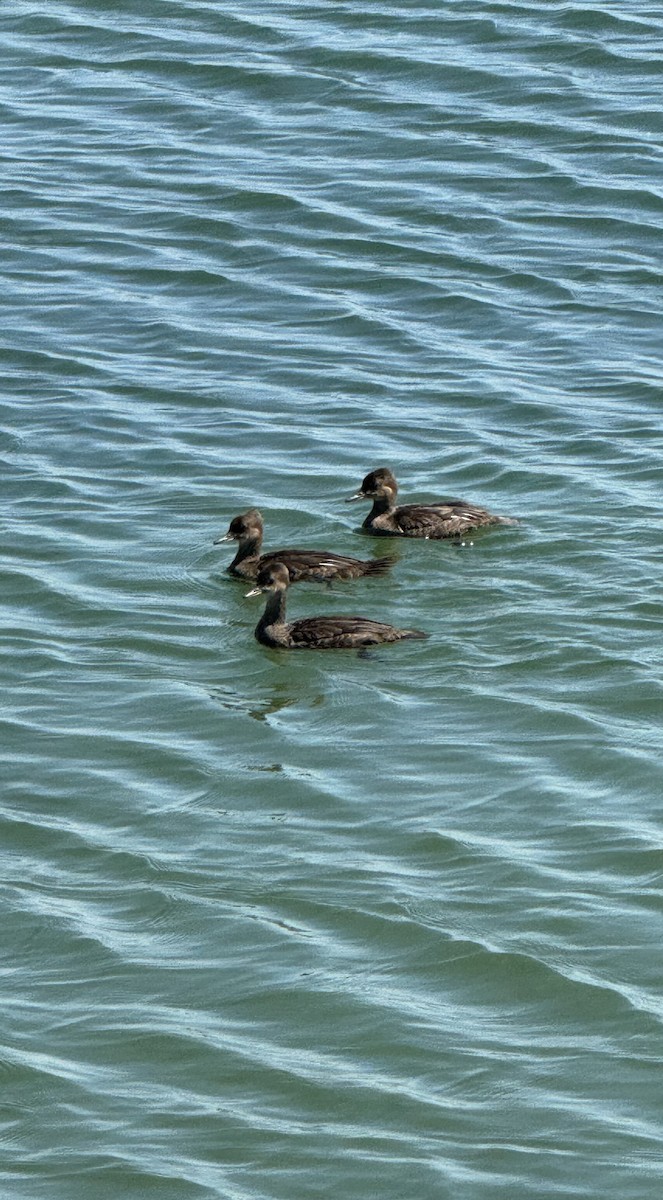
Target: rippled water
285	926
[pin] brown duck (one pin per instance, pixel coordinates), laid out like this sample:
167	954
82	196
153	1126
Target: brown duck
247	529
315	633
436	519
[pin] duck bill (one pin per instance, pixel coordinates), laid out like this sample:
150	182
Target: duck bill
256	591
357	496
227	537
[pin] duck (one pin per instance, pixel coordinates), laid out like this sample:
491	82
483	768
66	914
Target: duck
435	520
247	529
315	633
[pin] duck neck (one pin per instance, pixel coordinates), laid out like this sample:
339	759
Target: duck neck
248	547
274	614
383	503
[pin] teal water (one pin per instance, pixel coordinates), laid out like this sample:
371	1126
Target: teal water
289	926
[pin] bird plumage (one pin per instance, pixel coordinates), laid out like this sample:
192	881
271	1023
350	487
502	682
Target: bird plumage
434	520
315	633
321	565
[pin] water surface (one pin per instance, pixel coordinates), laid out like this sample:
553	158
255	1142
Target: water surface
281	926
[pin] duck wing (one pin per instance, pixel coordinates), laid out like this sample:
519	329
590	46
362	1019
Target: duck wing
323	633
322	565
441	520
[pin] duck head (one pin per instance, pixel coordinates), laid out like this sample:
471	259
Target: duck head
377	484
246	527
273	578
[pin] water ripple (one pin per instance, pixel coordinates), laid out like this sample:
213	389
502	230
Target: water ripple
397	914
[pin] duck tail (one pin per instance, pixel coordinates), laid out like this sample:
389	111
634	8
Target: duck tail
378	566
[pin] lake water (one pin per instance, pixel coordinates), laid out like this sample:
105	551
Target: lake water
281	926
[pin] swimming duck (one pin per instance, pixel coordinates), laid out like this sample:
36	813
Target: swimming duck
436	519
315	633
247	529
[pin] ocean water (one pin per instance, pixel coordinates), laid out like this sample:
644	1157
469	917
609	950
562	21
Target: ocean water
282	926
